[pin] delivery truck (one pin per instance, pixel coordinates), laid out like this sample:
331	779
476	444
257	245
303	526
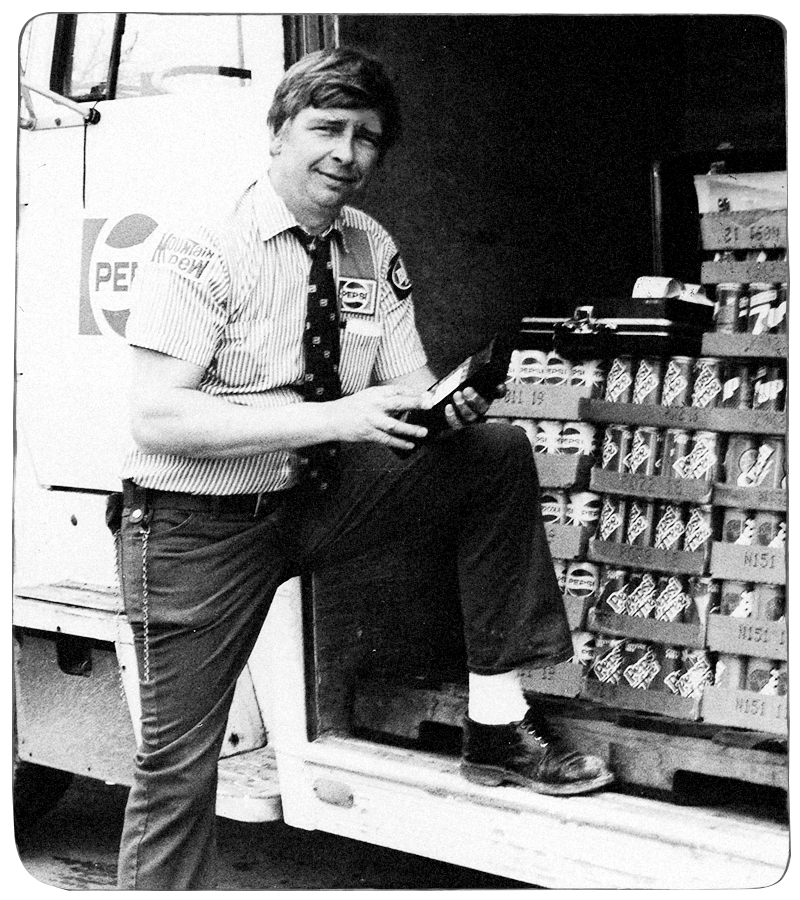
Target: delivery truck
123	117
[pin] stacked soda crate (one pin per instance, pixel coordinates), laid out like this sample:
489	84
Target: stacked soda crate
544	396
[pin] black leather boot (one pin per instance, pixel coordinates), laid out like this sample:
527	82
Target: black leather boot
528	754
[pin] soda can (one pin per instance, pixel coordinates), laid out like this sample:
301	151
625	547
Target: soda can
675	450
677	381
557	370
613	514
704	458
560	568
740	457
767	525
528	426
703	599
582	581
726	307
778	323
583	648
583	509
769	389
672	599
643	666
619	381
554	507
647	383
707	382
589	374
531	366
670	525
612	595
769	468
615	448
766	676
738	527
699	531
670	658
697	673
642	597
769	602
730	672
608	659
759	308
737	599
643	457
737	386
578	438
548	436
640	522
780	537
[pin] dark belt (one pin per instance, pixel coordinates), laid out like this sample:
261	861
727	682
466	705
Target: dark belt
254	506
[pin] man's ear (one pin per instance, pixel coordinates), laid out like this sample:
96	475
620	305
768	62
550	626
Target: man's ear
275	142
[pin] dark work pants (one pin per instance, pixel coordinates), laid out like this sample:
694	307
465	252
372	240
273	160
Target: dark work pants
209	581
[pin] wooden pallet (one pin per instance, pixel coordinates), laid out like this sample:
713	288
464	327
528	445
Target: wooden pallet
645	751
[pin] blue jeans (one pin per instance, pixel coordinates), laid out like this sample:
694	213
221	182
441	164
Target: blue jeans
210	575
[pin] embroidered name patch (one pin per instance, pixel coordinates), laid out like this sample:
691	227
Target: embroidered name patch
183	254
398	277
357	295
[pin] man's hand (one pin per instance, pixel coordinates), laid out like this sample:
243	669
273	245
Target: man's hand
469	407
374	415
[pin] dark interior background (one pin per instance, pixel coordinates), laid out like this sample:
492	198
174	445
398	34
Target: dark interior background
521	185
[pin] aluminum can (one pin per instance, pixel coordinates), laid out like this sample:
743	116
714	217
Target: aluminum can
675	450
641	513
670	525
767	525
780	538
583	648
615	448
730	672
619	381
737	386
698	534
738	527
643	457
531	365
558	369
703	599
707	385
677	389
642	597
670	658
642	665
582	581
608	659
560	568
769	389
647	383
770	602
583	509
613	514
548	436
672	599
740	457
529	427
590	374
737	599
769	468
778	323
612	595
554	507
704	458
766	676
760	306
697	673
578	438
726	312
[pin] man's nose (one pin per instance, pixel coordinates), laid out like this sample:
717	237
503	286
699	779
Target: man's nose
344	148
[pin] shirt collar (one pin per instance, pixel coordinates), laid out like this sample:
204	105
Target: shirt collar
273	216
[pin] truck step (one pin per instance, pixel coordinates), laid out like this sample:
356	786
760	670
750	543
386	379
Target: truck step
248	789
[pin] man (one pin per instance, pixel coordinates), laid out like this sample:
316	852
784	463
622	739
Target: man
267	417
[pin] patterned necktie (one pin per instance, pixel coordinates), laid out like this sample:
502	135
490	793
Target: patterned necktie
321	345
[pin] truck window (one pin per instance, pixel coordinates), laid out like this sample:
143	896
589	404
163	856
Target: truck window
102	56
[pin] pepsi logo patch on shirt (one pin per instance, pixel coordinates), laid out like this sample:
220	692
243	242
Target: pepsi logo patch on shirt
398	277
357	295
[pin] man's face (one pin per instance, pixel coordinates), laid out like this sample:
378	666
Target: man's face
322	158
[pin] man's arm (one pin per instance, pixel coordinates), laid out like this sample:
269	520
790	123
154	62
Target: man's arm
169	414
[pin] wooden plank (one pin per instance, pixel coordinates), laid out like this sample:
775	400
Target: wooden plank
757	229
737	563
540	401
774	500
744	271
248	789
674	561
681	490
677	634
743	346
746	709
747	637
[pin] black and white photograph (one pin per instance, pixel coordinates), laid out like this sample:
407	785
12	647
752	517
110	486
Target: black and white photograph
400	451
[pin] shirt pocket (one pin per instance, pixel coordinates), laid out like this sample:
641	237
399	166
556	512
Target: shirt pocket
359	344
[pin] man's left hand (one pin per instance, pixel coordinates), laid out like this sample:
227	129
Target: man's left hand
469	407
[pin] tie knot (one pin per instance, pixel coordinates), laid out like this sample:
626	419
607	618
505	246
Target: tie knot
312	243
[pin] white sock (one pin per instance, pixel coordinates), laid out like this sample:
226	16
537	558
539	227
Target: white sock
496	699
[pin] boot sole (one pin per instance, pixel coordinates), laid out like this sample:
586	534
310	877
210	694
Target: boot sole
494	776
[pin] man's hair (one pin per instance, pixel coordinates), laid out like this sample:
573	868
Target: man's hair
343	78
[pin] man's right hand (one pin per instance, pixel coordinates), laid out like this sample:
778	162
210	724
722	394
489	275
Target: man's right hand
375	415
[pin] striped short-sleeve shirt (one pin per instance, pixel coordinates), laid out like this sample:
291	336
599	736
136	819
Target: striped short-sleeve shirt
232	299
